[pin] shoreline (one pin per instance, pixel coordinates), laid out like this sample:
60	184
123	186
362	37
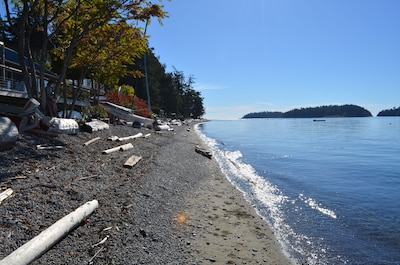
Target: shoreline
174	207
227	229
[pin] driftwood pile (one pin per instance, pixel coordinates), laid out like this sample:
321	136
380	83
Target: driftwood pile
40	244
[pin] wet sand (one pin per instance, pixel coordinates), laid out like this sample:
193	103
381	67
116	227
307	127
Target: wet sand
225	228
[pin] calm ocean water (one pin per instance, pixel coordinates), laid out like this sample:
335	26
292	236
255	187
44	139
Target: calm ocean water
329	189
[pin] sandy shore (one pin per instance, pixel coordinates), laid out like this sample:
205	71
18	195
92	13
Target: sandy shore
225	229
174	207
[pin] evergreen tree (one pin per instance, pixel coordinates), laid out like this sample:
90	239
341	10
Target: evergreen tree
170	93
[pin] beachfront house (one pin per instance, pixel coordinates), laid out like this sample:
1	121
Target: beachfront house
12	87
12	84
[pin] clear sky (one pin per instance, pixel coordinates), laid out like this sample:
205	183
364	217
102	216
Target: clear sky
276	55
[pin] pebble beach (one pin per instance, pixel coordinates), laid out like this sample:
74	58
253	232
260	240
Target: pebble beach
174	206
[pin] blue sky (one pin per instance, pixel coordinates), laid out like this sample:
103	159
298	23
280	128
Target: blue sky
276	55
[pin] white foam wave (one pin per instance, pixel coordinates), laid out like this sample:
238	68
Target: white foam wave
317	206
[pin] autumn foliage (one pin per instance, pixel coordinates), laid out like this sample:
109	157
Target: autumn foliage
141	107
137	104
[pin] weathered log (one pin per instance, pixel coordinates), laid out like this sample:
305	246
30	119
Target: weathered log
133	160
5	194
203	151
112	138
130	137
146	135
162	127
91	141
40	244
52	147
118	148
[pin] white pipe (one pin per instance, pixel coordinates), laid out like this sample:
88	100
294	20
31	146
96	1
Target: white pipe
40	244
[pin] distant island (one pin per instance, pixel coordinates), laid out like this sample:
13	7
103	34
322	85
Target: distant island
390	112
314	112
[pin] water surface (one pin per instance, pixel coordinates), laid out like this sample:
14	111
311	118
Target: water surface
329	189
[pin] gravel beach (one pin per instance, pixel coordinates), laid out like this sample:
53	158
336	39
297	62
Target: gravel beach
174	207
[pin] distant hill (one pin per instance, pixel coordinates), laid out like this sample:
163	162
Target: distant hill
390	112
264	114
315	112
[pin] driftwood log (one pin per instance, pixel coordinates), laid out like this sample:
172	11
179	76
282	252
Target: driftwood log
132	161
51	147
5	194
118	148
92	141
203	151
130	137
40	244
112	138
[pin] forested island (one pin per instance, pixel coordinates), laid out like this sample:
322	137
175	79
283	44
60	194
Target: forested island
347	110
390	112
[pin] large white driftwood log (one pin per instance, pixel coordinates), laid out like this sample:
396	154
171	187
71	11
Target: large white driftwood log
5	194
40	244
118	148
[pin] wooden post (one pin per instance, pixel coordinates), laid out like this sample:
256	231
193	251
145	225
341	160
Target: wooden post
40	244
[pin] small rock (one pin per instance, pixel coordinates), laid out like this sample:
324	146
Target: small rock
143	233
